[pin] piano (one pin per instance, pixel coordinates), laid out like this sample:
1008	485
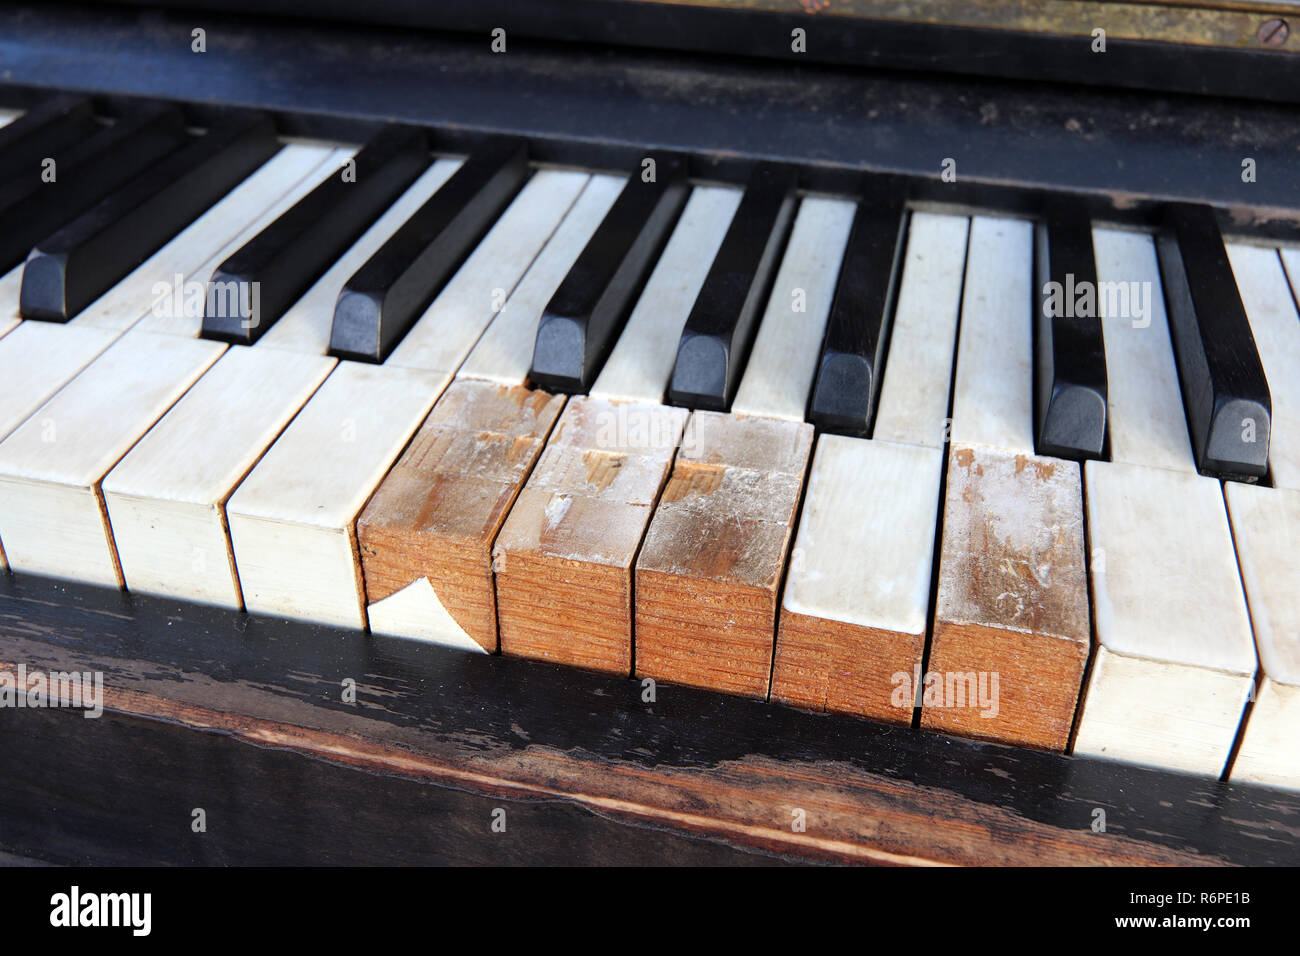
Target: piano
649	430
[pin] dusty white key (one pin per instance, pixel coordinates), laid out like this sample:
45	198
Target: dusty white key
857	592
1011	603
444	335
993	400
1266	527
1175	657
505	352
305	327
166	498
153	296
1271	310
913	403
293	520
641	362
52	520
1147	423
790	335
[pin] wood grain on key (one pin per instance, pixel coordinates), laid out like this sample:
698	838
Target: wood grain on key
426	536
709	574
1011	620
853	613
1012	601
564	557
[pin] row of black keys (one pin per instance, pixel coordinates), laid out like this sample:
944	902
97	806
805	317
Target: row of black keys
121	191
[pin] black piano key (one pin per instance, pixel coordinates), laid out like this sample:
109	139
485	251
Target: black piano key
720	329
588	310
1070	360
45	130
285	258
852	359
387	294
31	209
74	266
1225	395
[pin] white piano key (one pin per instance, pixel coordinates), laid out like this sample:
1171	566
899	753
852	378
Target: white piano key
51	514
1275	325
862	560
305	327
1175	657
1266	527
866	534
293	520
166	498
8	116
148	297
781	364
444	335
918	368
641	362
1144	399
505	352
993	392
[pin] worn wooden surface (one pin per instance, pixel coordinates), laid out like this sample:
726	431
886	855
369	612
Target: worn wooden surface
709	574
437	512
563	559
1013	596
255	724
857	590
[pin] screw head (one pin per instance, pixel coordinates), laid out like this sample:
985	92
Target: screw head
1273	32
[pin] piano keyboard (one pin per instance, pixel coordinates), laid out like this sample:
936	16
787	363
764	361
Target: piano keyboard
1034	482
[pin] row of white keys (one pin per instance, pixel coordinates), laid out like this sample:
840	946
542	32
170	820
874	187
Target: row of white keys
501	357
1175	657
1266	526
38	359
864	551
292	521
166	498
